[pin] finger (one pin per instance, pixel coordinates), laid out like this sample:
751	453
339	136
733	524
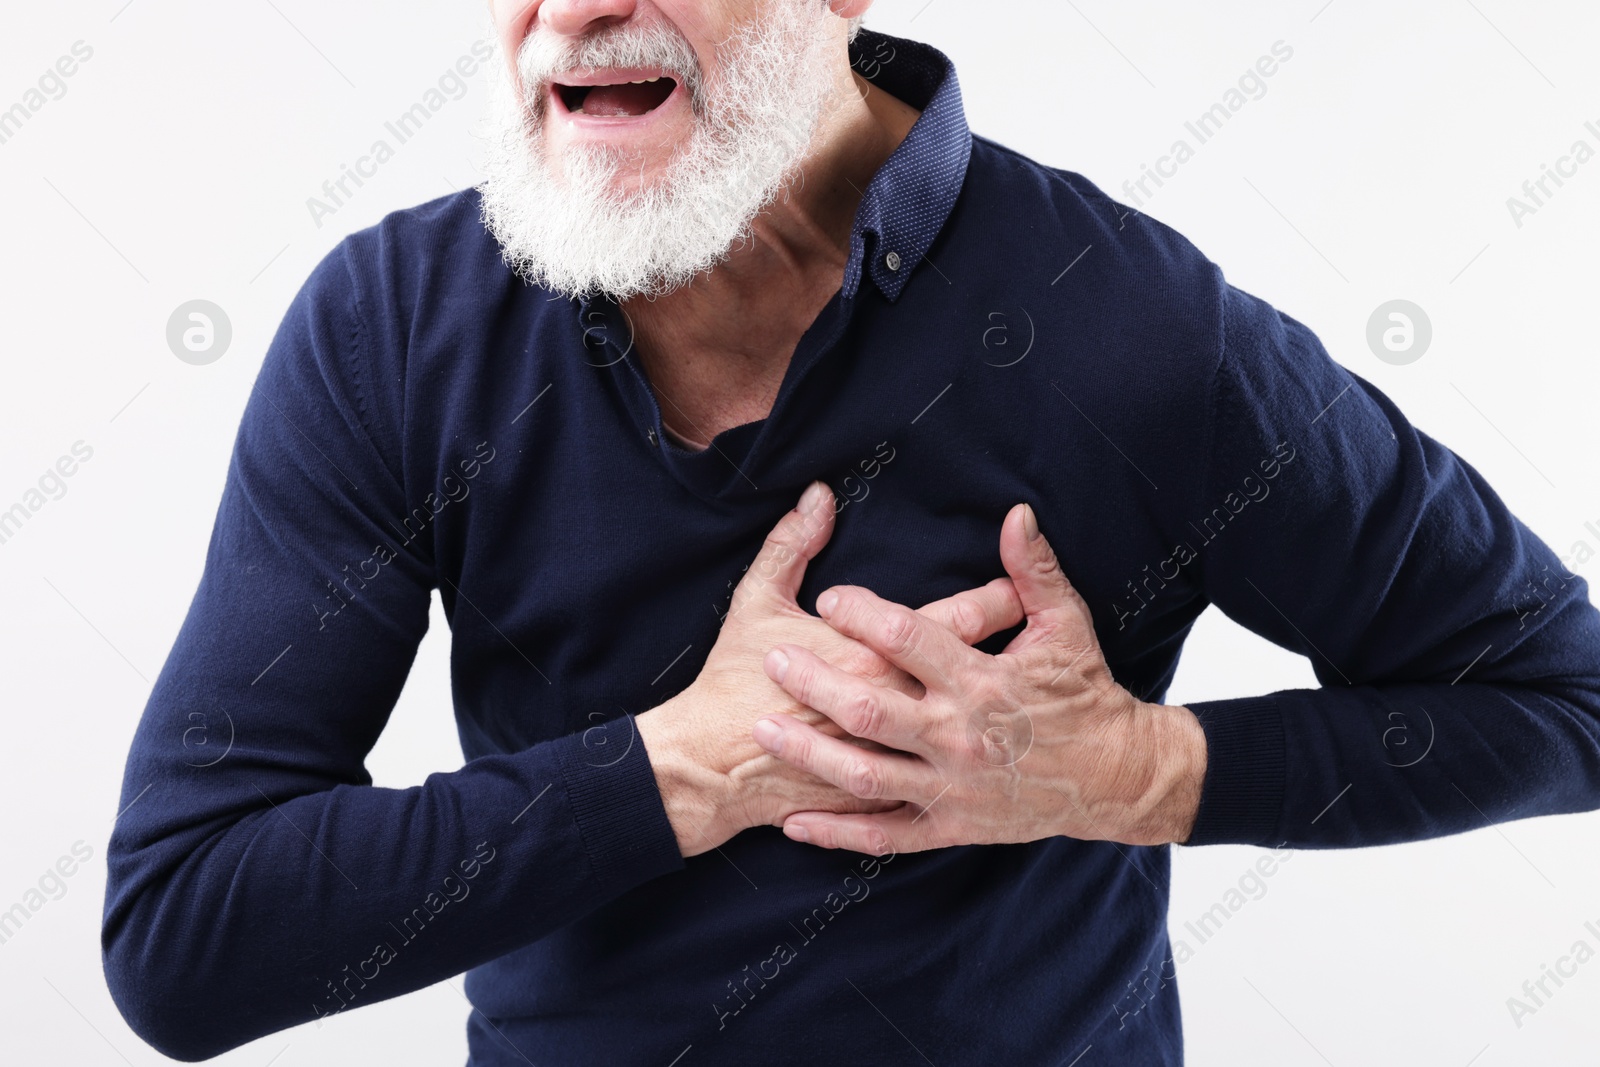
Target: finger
1047	597
864	775
976	614
922	648
888	833
863	708
824	796
780	566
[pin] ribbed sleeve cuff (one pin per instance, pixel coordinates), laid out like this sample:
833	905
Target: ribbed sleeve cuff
612	791
1242	796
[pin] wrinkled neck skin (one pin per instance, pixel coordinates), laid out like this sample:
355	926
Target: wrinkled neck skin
737	325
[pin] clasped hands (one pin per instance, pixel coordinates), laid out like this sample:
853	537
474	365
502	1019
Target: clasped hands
881	729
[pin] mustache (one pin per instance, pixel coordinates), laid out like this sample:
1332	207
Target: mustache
544	57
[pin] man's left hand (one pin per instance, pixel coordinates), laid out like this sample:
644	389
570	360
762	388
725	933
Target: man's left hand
1035	742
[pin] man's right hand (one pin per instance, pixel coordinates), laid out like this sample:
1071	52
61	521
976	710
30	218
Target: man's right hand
714	779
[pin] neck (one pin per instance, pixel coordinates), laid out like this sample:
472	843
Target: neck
740	321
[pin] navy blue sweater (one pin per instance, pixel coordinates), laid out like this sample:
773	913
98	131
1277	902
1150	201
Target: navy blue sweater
424	420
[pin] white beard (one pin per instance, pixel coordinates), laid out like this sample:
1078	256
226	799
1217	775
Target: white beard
562	225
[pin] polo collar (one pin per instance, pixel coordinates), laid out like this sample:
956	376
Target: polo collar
908	201
910	198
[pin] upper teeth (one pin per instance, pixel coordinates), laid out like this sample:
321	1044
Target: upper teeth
645	81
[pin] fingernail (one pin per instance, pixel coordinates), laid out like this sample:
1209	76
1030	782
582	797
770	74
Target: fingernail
777	665
768	734
797	833
815	493
826	601
1030	523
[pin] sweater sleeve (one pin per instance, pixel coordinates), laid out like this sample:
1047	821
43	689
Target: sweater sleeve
256	878
1459	660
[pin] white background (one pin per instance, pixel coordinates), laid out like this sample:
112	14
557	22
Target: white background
1378	165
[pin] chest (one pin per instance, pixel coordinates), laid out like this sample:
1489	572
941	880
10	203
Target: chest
588	574
702	399
583	590
709	375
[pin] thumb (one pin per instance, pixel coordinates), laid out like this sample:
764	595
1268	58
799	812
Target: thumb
1048	599
780	566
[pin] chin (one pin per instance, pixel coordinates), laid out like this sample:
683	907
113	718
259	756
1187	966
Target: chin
614	188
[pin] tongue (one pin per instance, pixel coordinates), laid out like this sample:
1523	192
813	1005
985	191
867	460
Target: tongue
617	100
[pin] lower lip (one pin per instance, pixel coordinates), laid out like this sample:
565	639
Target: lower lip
607	124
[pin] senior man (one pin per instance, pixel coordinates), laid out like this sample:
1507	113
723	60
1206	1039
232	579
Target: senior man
727	251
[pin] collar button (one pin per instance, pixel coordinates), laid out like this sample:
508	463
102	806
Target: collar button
892	261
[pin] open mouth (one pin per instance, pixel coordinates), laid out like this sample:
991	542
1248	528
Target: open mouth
622	99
